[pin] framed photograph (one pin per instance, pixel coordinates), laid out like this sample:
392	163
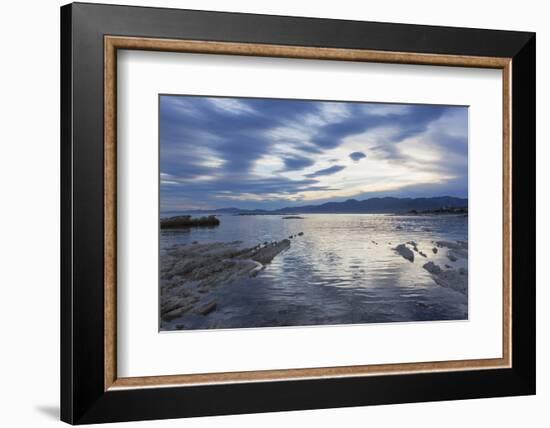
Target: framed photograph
266	213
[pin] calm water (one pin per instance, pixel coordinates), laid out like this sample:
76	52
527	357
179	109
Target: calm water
342	270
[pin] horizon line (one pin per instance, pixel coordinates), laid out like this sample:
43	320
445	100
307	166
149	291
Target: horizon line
310	205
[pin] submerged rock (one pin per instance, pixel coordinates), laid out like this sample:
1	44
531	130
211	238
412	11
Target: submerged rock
176	313
423	305
207	308
456	280
432	268
266	254
414	246
405	252
455	250
458	245
458	254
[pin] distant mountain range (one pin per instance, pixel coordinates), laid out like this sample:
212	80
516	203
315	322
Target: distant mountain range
372	205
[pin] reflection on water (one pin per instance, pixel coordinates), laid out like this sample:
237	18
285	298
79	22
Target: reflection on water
342	270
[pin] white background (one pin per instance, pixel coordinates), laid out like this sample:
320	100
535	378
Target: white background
29	226
142	351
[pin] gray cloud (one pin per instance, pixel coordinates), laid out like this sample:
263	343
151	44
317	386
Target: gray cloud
297	162
326	171
357	156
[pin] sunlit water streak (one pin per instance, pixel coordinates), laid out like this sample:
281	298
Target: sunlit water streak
342	270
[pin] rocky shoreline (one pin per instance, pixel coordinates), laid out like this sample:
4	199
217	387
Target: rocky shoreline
191	274
188	273
448	276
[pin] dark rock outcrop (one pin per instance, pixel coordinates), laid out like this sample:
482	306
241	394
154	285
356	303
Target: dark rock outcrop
186	221
265	254
454	279
206	308
404	251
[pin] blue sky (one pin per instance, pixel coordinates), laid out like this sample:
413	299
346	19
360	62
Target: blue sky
270	153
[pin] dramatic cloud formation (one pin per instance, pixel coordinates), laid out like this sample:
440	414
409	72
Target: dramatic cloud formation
266	153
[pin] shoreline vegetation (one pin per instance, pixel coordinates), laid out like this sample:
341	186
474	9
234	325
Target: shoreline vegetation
462	211
442	210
